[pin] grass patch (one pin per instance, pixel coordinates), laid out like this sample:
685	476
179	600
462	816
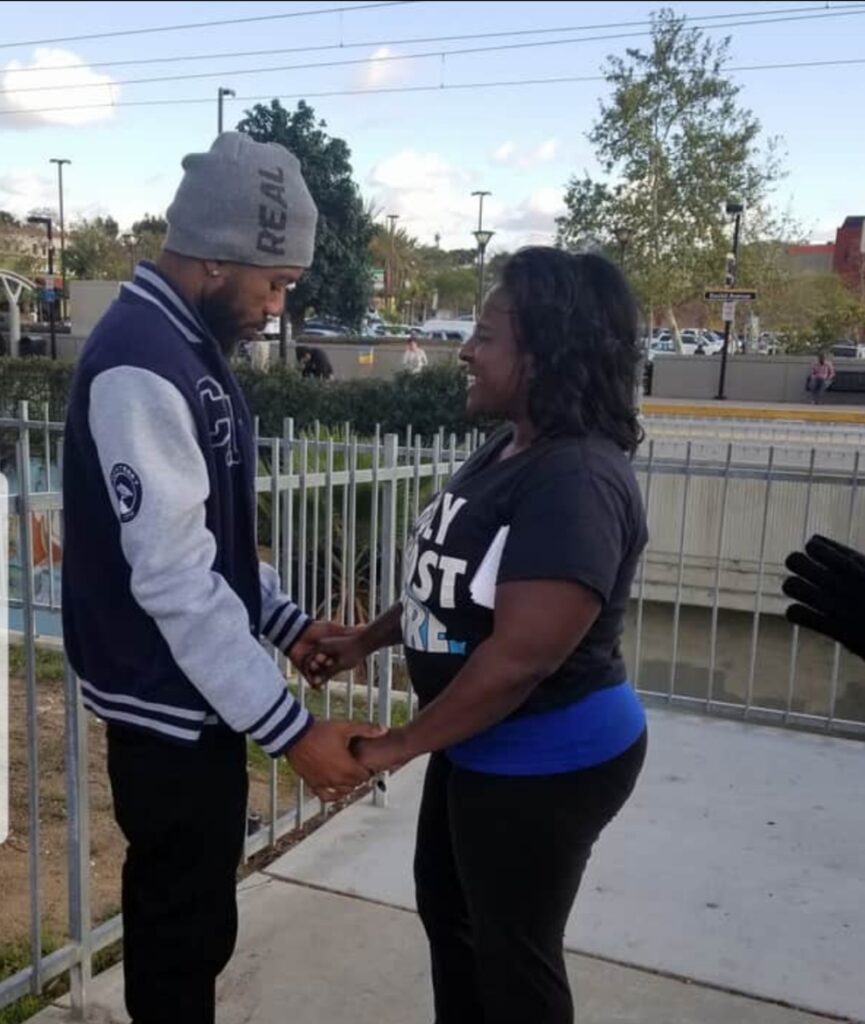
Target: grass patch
14	957
49	663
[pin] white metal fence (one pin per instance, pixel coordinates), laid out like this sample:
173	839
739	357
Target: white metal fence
335	510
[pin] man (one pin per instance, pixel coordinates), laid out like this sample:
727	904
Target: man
164	598
313	362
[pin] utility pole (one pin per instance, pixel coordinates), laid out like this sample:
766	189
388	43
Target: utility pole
732	209
64	308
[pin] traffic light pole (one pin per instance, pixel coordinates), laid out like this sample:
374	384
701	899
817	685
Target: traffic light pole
730	282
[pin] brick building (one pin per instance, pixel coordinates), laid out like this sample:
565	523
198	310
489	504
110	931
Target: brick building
847	261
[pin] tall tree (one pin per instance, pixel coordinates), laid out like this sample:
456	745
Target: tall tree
94	251
675	144
147	237
456	288
396	252
339	282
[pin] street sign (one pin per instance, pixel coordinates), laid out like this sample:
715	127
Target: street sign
728	312
729	295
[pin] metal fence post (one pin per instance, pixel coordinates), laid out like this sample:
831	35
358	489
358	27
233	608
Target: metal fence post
389	527
25	533
78	803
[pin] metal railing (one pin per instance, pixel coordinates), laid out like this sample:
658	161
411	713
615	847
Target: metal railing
335	512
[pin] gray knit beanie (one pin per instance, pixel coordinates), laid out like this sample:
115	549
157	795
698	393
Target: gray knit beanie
243	202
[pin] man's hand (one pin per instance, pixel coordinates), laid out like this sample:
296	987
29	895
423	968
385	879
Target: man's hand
828	584
306	655
322	758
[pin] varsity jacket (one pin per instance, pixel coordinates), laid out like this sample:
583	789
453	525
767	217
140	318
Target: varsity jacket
164	598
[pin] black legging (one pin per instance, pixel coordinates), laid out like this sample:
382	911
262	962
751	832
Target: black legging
497	867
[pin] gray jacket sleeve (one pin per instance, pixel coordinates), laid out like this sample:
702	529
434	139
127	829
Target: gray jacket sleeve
144	431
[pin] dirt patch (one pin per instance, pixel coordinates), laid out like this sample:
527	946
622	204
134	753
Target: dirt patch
107	845
106	842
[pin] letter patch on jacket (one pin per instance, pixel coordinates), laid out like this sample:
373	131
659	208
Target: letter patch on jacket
220	416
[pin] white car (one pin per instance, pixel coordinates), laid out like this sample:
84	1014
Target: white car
449	330
695	337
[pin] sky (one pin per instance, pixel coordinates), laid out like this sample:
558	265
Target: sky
425	132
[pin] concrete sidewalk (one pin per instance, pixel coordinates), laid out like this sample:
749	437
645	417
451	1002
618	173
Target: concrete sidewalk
737	865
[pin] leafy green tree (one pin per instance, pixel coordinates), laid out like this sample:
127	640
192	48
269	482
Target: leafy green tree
674	143
95	251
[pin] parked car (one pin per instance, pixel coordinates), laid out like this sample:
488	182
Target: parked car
661	345
324	327
848	350
448	330
696	338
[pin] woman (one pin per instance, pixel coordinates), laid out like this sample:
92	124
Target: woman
516	587
820	378
414	359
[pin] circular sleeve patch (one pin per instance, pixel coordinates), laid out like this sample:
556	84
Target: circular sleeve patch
127	490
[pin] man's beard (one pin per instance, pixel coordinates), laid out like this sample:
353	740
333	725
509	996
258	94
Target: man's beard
220	315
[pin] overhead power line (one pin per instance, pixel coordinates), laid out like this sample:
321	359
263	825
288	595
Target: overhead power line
390	58
562	80
718	20
207	24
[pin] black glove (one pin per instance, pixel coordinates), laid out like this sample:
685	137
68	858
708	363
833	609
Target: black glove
829	587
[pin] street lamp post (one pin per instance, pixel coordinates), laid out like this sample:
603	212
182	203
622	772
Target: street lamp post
64	309
483	239
622	235
390	290
50	295
735	210
220	97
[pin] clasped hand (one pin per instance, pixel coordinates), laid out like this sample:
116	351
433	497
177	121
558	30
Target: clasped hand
335	757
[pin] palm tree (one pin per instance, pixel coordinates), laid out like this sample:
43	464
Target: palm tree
396	251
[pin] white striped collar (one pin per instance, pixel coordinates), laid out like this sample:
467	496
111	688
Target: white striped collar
135	289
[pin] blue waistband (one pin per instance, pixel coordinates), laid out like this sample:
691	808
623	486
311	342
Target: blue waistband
595	729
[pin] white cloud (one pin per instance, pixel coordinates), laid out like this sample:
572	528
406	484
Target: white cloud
381	70
532	221
432	196
57	84
547	151
505	153
23	189
509	154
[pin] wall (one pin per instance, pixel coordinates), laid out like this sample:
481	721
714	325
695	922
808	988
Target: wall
88	300
351	360
749	378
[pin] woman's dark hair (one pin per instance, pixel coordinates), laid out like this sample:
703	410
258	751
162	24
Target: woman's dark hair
576	315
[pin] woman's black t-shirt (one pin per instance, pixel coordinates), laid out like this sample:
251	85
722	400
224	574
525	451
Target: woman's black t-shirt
568	509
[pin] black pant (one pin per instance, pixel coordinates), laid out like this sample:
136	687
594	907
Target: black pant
183	812
497	867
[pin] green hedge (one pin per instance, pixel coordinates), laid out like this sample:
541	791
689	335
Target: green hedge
40	381
426	401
